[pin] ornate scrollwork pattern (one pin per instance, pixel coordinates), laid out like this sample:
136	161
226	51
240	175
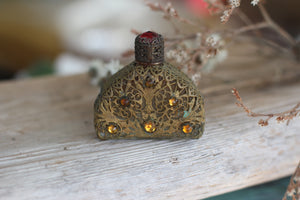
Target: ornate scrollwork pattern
149	105
149	48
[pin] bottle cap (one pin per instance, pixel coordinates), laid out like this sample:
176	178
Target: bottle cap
149	48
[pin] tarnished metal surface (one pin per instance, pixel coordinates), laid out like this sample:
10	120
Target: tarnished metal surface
149	48
146	100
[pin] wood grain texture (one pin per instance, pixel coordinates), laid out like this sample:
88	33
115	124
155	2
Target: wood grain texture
49	149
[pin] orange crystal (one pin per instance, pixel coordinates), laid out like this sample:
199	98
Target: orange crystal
173	101
125	101
112	129
149	82
186	128
149	127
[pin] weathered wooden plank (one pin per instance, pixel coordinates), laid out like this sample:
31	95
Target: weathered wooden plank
49	149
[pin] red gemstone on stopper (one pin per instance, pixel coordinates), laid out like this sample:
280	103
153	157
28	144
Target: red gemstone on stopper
149	48
149	34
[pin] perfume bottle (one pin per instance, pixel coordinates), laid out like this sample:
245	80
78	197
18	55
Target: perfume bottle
149	98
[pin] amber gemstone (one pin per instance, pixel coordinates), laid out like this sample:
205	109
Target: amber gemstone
124	101
149	127
112	129
187	128
149	82
173	101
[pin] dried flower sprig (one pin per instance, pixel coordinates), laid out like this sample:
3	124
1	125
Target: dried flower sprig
267	22
285	116
293	190
229	10
168	11
254	2
203	49
195	51
215	7
228	7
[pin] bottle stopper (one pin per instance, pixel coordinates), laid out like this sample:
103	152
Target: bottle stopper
149	48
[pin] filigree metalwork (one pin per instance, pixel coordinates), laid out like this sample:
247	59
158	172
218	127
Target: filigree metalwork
149	98
149	105
149	48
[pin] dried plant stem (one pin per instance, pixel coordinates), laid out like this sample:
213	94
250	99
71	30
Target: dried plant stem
293	190
274	45
247	21
256	27
169	12
281	117
275	26
268	22
175	41
195	50
251	27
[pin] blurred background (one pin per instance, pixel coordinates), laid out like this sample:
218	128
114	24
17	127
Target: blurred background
62	37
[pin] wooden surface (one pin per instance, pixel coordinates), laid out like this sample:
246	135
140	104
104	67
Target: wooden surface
49	149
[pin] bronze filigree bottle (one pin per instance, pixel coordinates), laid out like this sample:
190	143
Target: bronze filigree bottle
149	98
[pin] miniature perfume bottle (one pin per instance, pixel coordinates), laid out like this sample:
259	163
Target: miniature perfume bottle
149	98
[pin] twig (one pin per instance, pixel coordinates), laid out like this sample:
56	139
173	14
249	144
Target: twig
293	190
247	21
275	26
281	117
169	12
170	42
194	51
251	27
